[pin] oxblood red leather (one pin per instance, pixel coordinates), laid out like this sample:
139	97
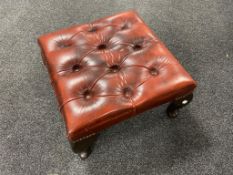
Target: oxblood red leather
108	70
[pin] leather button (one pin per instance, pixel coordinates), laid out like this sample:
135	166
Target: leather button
137	47
124	27
102	47
153	71
76	68
114	68
127	92
93	29
87	94
64	44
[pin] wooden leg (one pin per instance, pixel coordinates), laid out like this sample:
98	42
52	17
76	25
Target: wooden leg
173	108
83	147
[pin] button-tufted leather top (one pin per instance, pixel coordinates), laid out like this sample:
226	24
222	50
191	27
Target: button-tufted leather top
108	70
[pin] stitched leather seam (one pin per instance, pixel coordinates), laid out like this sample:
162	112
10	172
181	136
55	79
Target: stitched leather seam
61	106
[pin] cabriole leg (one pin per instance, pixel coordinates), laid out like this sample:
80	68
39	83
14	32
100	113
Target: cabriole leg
84	146
173	108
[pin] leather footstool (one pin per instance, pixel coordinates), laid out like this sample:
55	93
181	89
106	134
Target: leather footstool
109	70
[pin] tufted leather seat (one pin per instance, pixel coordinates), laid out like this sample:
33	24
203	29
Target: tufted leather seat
109	70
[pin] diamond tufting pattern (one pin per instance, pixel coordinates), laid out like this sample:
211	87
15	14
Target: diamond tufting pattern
109	70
